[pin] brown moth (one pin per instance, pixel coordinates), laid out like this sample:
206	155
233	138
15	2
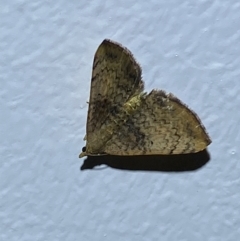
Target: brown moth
124	120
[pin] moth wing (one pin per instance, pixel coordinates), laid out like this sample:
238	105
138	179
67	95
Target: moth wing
161	125
116	77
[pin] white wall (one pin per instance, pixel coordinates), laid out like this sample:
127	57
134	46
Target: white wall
189	48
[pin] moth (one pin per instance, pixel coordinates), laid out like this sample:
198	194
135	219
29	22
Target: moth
124	120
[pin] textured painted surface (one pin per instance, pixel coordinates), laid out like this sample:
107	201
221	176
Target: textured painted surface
190	49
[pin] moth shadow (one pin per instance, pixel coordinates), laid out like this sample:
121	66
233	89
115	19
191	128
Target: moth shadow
161	163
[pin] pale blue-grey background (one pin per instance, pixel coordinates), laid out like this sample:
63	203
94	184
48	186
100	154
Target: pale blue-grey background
189	48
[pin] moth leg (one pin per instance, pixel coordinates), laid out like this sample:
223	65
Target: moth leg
82	154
